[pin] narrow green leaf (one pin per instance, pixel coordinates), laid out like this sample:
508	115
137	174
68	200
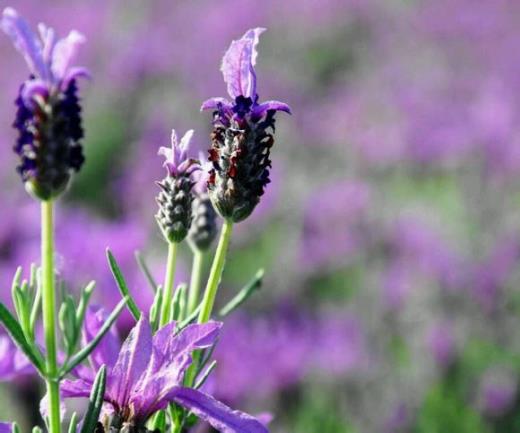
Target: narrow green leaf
87	350
15	427
121	283
17	278
95	402
155	309
68	325
206	374
189	319
146	270
73	424
177	303
83	303
243	294
16	333
35	311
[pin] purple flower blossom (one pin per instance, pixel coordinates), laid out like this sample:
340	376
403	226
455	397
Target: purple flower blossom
6	427
148	373
239	74
441	343
48	116
497	391
177	161
176	197
13	363
49	60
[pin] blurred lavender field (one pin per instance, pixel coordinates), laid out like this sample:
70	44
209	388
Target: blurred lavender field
390	235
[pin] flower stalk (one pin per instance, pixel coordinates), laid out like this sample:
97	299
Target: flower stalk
49	314
195	279
168	283
215	275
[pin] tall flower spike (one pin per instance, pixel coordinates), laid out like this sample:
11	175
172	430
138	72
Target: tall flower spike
48	117
176	197
148	374
204	226
243	134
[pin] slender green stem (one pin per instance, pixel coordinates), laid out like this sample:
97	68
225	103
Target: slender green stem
196	279
216	272
168	284
49	316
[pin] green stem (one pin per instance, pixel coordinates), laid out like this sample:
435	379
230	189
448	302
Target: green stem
49	315
168	284
216	272
196	279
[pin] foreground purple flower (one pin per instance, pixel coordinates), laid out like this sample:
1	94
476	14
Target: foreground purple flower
48	118
148	372
243	134
176	196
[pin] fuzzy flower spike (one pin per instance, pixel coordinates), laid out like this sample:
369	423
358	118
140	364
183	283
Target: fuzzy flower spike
48	113
242	135
148	374
176	196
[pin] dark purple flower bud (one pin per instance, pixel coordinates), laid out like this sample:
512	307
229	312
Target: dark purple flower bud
176	197
204	226
243	134
48	117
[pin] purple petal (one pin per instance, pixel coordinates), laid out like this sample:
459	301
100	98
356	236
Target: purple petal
216	413
65	51
238	65
5	427
32	88
215	103
170	357
73	73
106	352
75	388
262	108
25	41
13	362
132	361
48	37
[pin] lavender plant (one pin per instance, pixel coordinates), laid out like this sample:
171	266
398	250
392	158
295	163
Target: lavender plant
154	381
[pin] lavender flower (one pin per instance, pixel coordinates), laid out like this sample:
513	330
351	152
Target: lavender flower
242	135
148	374
48	113
175	200
6	427
204	226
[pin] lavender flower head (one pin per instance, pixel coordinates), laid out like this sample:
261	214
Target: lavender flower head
204	226
48	113
242	135
147	374
176	197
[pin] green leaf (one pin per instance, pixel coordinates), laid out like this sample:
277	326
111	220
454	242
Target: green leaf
189	319
87	350
179	302
155	309
95	402
35	310
16	333
121	283
206	374
73	424
253	285
146	271
68	325
83	303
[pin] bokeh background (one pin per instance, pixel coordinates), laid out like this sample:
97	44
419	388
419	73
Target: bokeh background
390	233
